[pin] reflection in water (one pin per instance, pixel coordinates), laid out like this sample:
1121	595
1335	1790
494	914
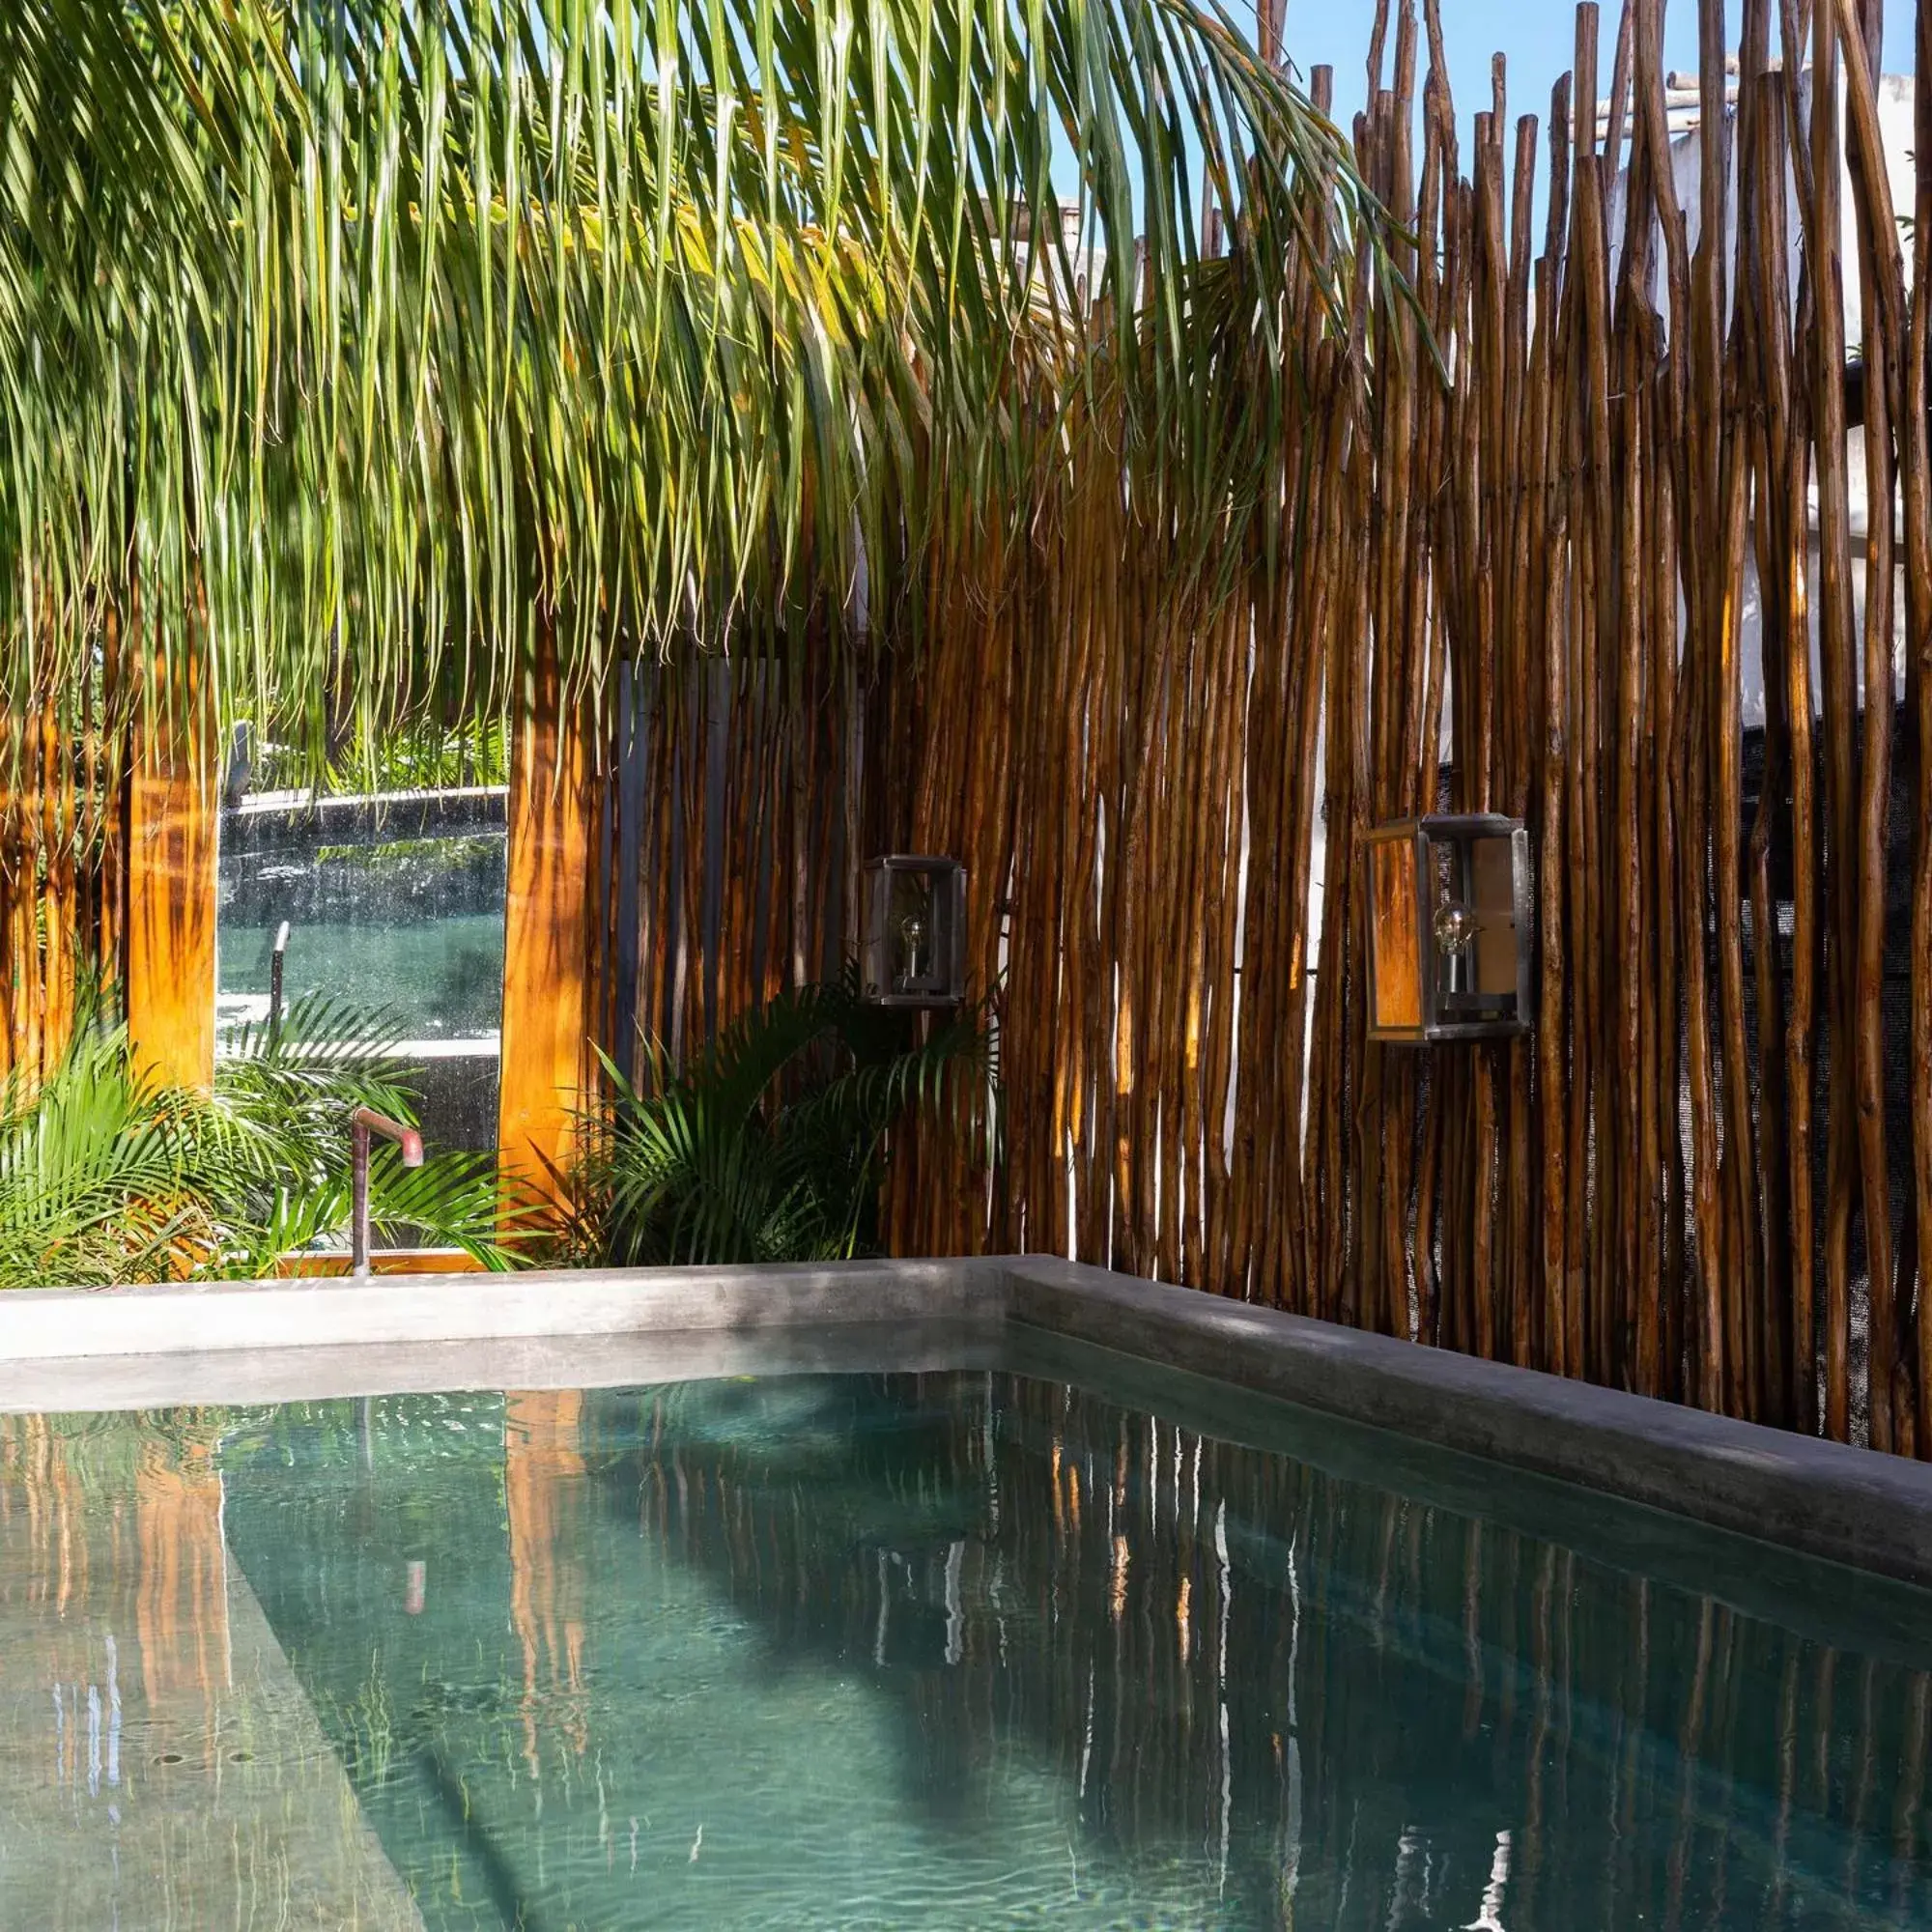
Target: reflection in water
107	1529
159	1765
951	1650
181	1612
543	1493
908	1650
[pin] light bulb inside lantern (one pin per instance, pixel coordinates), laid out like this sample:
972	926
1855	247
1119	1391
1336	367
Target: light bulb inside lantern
912	936
1455	928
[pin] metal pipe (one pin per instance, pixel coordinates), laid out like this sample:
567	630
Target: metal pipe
363	1123
277	959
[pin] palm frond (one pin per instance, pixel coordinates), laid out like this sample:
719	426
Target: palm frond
769	1145
345	346
107	1177
92	1174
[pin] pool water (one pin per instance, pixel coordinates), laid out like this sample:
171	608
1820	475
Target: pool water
949	1650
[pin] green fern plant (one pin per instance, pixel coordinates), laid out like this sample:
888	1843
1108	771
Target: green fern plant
770	1145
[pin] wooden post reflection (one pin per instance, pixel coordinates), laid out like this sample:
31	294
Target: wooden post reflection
38	1494
63	1522
181	1603
543	1469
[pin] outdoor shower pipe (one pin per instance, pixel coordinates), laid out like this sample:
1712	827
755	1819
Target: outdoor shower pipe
277	961
363	1123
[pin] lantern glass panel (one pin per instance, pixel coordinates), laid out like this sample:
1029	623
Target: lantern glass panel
1398	984
914	932
1452	927
1475	946
1492	880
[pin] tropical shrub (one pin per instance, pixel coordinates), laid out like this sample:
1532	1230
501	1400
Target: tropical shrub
769	1145
107	1177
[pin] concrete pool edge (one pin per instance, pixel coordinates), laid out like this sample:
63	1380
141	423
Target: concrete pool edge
231	1378
399	1311
1851	1506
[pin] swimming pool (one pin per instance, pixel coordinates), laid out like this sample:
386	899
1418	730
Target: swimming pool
991	1647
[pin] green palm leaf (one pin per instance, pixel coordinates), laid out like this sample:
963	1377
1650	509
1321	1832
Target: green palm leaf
105	1178
769	1147
344	344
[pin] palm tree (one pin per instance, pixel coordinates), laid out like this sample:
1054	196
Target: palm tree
356	356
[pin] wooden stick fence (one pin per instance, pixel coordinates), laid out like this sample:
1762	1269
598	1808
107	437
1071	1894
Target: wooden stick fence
1691	1181
1707	1175
64	867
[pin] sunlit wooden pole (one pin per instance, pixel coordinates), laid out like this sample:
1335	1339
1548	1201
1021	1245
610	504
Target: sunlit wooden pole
547	925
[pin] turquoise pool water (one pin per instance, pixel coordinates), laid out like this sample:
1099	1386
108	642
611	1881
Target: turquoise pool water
976	1649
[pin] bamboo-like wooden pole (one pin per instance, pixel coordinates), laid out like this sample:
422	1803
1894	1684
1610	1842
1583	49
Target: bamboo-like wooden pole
1882	290
170	861
547	983
1917	465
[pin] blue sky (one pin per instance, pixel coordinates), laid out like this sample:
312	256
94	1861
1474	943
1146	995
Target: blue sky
1537	36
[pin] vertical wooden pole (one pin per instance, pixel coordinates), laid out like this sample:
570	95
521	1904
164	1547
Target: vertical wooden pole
171	877
547	926
1918	685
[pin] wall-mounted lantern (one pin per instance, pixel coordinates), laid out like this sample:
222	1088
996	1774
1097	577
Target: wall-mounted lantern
914	932
1450	925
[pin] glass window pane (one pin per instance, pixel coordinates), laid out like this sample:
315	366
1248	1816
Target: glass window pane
394	904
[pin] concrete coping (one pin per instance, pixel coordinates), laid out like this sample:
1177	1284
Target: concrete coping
1824	1499
123	1347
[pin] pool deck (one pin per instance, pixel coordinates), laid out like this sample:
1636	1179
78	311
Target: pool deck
277	1341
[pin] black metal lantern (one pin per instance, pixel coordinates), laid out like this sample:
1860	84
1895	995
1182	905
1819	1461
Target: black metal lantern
1449	928
914	932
